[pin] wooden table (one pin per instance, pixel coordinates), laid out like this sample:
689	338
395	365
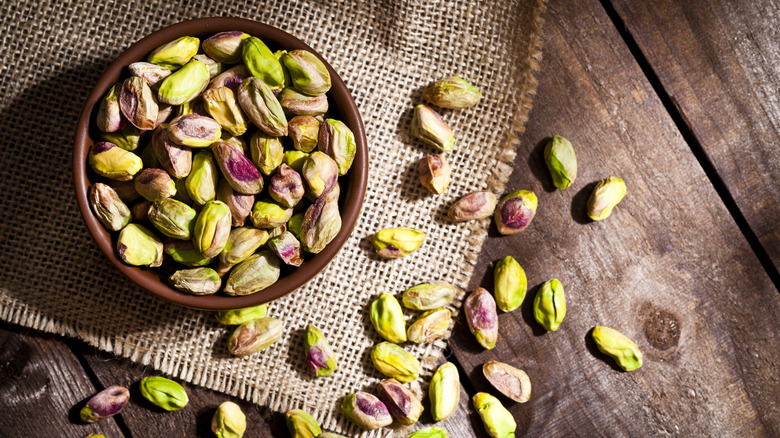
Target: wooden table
681	99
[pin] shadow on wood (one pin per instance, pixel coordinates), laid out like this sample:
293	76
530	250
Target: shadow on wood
539	167
527	310
579	204
590	344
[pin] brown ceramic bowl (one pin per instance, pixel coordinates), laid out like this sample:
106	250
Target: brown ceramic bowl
353	184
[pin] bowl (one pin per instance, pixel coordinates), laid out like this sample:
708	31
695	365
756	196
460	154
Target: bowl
353	184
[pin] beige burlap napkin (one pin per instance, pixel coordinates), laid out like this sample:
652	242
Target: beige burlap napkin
55	279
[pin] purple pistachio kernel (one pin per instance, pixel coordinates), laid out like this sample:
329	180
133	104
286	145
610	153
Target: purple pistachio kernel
286	186
231	78
401	400
102	146
176	159
194	130
104	404
482	317
370	406
287	248
515	211
238	170
402	403
316	360
515	215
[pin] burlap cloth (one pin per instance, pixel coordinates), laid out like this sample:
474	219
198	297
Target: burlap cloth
55	279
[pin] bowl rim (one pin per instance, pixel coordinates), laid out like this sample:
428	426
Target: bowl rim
352	200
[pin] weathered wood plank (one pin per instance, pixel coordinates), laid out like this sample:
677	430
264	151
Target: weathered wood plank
719	61
43	387
144	419
670	269
194	420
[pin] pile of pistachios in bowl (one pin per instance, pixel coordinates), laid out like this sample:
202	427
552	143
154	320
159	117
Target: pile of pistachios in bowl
202	136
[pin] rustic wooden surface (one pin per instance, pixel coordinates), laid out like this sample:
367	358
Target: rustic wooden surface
719	62
678	98
669	268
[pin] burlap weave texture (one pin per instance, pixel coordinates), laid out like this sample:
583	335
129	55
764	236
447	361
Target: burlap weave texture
55	279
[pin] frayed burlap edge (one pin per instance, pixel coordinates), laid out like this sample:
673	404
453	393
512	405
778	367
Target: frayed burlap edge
497	180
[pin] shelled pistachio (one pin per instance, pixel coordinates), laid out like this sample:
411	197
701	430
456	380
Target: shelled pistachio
196	281
254	336
105	404
510	284
444	392
605	196
550	305
393	361
366	411
429	296
228	421
302	425
429	326
109	118
619	347
475	205
480	308
112	212
194	130
402	403
515	212
320	358
154	184
184	84
225	46
397	242
201	183
561	161
110	161
430	432
176	53
498	421
452	92
254	274
212	228
307	73
241	316
174	158
138	246
388	318
430	128
164	393
510	381
242	242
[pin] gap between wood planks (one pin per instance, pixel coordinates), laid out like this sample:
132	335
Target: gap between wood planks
693	142
77	348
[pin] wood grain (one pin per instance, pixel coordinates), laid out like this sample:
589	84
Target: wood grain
194	420
669	268
43	387
719	61
143	418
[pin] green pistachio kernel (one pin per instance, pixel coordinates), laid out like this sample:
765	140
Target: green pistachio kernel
550	305
498	421
561	161
164	393
619	347
241	316
510	284
388	318
302	425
